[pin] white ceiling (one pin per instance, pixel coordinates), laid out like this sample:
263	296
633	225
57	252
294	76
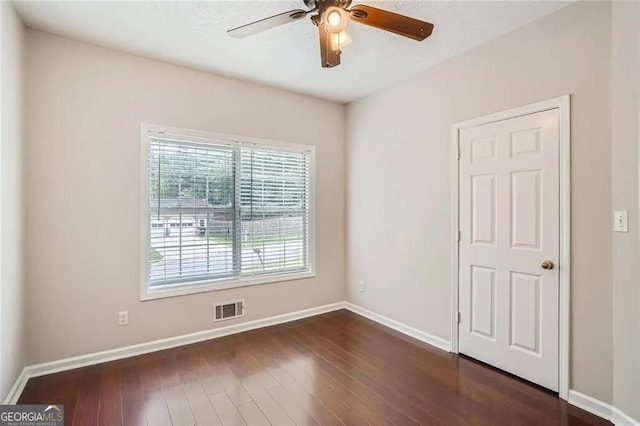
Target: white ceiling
193	33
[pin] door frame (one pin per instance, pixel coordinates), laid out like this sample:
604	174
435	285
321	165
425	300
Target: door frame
563	105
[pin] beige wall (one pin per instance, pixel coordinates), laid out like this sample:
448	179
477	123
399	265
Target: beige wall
625	109
85	104
398	179
12	282
84	108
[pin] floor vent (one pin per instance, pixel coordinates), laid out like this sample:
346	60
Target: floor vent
228	310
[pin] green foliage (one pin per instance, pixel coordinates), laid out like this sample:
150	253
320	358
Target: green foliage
154	255
179	173
268	178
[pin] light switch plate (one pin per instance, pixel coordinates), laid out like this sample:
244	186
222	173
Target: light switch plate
621	221
123	318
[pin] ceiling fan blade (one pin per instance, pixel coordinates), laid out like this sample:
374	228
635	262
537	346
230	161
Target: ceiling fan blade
267	23
392	22
330	58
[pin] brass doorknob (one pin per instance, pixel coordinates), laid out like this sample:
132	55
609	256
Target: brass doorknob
547	264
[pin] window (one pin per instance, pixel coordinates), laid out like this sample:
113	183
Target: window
230	213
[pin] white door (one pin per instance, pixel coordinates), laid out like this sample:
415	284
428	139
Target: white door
509	245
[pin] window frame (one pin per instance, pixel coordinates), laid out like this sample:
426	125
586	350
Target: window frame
223	283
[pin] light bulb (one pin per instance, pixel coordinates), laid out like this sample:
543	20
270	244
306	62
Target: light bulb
340	40
335	19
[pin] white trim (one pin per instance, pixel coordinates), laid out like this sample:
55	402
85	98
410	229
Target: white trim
430	339
564	367
549	104
590	404
618	417
222	137
563	104
223	283
17	388
580	400
455	235
71	363
144	213
601	409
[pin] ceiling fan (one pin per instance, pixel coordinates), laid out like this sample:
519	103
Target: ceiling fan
331	18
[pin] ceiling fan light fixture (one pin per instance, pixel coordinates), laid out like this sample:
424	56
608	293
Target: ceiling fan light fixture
335	19
331	18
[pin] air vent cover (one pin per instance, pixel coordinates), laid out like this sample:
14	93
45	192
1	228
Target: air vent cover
228	310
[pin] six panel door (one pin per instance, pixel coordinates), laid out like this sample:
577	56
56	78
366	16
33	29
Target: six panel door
509	224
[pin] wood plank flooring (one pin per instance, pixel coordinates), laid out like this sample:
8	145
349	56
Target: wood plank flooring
333	369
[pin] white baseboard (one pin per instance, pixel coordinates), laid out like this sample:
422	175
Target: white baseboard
580	400
71	363
156	345
601	409
590	404
17	388
430	339
618	417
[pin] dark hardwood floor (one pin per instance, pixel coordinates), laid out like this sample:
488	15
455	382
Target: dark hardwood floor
332	369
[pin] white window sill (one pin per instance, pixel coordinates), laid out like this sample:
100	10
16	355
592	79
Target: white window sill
225	284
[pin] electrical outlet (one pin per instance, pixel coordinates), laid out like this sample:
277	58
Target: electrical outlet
123	318
621	221
361	286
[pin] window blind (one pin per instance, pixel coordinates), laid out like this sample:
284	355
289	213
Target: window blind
274	210
221	210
